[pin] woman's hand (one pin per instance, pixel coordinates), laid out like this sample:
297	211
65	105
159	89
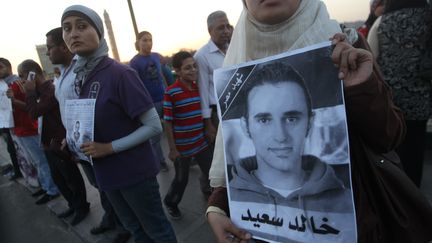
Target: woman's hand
97	150
355	65
225	231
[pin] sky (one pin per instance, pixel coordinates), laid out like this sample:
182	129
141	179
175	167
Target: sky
174	24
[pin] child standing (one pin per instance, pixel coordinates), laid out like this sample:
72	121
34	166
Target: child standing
184	128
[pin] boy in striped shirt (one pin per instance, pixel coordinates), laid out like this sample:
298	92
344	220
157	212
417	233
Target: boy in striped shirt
184	127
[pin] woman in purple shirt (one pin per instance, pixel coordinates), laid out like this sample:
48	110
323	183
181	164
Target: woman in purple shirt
124	120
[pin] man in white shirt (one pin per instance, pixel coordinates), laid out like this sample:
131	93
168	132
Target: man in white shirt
210	57
6	79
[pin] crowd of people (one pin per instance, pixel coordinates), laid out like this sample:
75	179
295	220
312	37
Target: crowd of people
135	103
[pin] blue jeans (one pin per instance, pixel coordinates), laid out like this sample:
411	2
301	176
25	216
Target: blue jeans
139	208
156	140
31	145
109	218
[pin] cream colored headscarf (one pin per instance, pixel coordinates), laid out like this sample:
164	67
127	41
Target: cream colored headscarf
251	40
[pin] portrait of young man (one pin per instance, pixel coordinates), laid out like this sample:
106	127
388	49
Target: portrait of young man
76	132
278	127
279	190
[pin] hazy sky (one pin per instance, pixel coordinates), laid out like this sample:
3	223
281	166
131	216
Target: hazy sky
174	24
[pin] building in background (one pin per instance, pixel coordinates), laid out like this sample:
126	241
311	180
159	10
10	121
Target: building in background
47	66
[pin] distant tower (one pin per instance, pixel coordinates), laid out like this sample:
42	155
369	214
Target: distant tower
111	36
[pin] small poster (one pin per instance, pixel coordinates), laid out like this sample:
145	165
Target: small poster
26	163
79	125
6	115
286	147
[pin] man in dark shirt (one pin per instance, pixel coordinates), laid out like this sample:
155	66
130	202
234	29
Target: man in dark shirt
40	101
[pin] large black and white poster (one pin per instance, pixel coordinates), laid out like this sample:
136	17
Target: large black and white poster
286	147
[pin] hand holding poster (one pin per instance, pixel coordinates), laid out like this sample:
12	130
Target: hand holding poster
286	150
79	125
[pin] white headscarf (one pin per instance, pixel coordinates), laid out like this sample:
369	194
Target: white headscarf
251	40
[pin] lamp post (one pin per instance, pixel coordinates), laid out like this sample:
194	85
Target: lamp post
133	18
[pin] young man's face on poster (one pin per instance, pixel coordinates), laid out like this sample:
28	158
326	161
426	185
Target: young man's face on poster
277	125
77	126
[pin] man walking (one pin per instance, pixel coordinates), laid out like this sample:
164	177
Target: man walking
208	58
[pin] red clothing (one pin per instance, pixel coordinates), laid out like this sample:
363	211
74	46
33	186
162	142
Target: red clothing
364	30
182	107
24	124
42	102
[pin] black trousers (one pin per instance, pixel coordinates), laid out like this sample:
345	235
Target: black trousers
11	150
179	183
67	176
411	151
214	116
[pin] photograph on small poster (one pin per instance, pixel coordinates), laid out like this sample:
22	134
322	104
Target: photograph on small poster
79	125
286	147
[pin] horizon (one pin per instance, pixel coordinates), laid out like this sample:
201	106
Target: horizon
170	33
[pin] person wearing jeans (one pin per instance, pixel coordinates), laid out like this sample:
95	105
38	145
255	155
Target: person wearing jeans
123	159
26	131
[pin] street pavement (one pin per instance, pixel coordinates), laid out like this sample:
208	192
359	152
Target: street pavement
22	221
191	228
